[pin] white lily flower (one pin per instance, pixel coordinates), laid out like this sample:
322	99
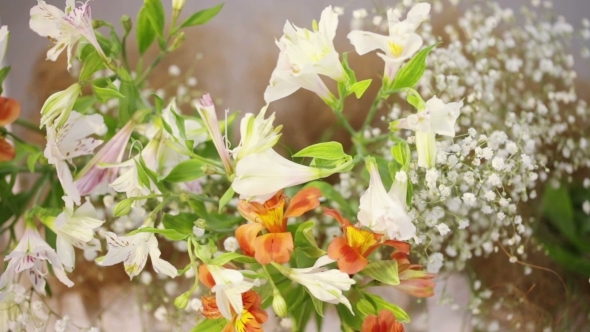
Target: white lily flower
229	287
133	251
258	134
70	141
401	44
263	174
304	56
57	107
130	183
64	29
30	255
206	110
380	212
436	118
325	285
4	34
75	228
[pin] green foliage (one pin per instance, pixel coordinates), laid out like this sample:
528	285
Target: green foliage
202	16
383	271
380	304
227	196
305	241
170	234
154	10
333	195
90	64
186	171
182	223
411	72
128	104
210	325
144	32
105	94
326	150
3	73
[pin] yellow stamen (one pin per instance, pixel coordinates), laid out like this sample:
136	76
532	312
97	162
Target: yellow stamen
396	49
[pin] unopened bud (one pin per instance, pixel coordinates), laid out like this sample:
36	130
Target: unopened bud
278	304
98	23
126	23
208	169
177	6
182	301
177	42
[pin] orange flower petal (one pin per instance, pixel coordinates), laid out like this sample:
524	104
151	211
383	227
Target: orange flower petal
349	260
7	152
336	215
403	263
9	110
385	322
209	308
305	200
273	247
270	214
245	234
205	276
401	246
362	241
417	287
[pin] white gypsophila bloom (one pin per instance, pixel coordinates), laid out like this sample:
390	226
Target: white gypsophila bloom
435	263
490	195
198	231
161	313
586	207
469	199
401	176
443	229
231	244
498	163
62	325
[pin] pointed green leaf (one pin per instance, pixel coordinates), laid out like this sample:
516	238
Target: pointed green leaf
383	271
202	16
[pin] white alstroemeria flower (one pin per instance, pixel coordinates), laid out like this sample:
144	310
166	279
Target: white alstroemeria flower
133	251
70	141
131	184
436	118
75	228
57	107
206	110
325	285
380	212
30	255
229	287
304	56
93	175
64	29
258	134
263	174
4	34
401	44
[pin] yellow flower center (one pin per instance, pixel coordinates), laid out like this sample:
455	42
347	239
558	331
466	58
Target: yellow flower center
243	322
359	239
396	49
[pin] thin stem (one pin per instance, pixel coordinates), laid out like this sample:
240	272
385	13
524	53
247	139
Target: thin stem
153	65
373	110
29	125
344	122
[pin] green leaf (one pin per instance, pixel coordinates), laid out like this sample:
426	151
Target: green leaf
347	319
331	194
415	100
318	305
412	71
170	234
327	151
347	69
145	32
91	64
380	304
186	171
182	223
229	194
409	193
156	15
366	308
305	241
202	16
210	325
557	207
359	88
3	73
105	94
142	175
231	256
402	154
32	160
383	271
127	105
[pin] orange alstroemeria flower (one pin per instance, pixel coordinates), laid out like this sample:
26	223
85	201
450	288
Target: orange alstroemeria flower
352	249
277	244
9	111
252	316
413	279
385	322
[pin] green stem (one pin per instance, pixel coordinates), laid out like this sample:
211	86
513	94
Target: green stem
29	125
373	110
153	65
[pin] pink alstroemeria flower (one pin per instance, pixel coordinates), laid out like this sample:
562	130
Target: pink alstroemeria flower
93	175
207	112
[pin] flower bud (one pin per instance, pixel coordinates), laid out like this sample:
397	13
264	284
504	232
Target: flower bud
126	23
181	302
58	106
177	42
98	23
177	6
278	304
122	208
